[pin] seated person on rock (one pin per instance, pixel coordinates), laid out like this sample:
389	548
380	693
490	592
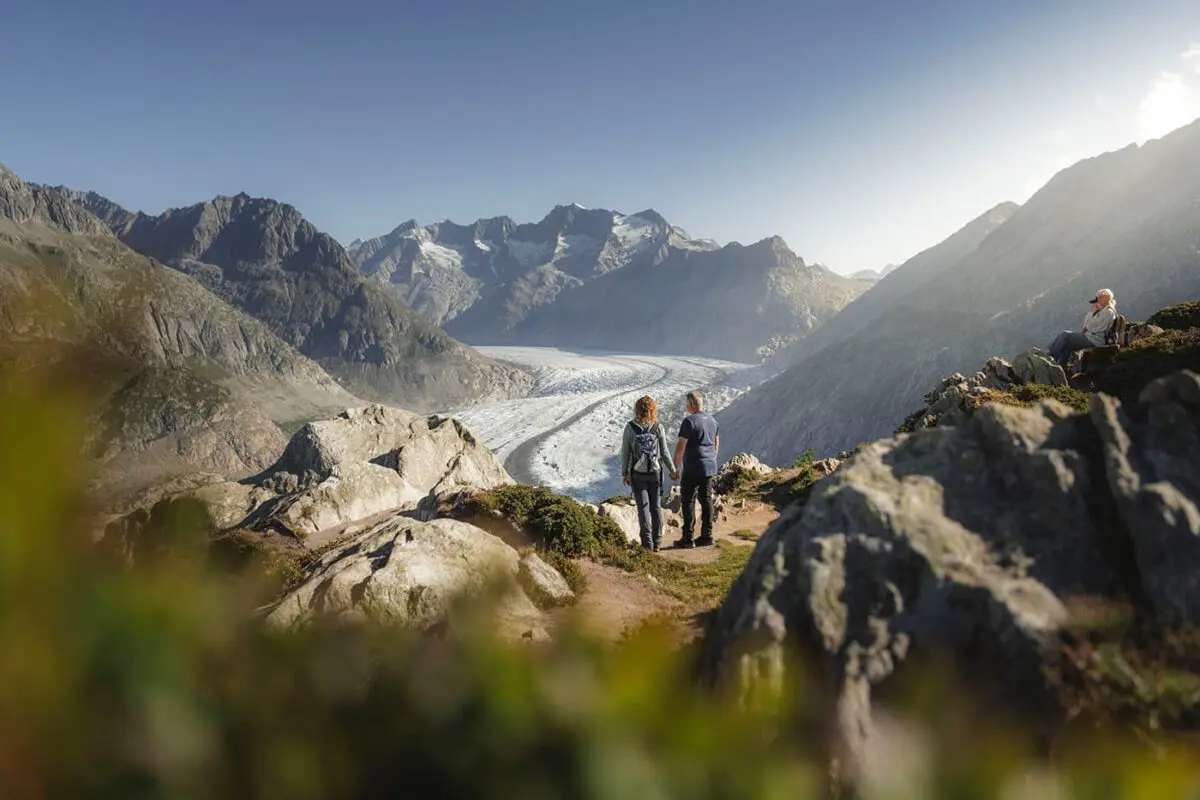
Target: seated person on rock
1096	323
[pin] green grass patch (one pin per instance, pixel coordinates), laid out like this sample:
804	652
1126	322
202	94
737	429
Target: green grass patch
1031	394
805	459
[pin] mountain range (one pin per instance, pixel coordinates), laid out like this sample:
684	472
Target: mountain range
1008	281
602	279
184	381
266	259
872	275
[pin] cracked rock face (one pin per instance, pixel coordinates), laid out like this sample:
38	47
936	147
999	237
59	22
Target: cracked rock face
967	541
408	572
364	462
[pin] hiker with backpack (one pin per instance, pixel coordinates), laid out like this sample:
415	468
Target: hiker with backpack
644	458
1094	331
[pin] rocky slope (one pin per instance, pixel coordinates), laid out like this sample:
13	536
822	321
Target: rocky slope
266	259
333	472
185	380
893	285
971	545
1128	220
598	278
347	512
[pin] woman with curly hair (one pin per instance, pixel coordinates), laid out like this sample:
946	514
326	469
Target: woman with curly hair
645	456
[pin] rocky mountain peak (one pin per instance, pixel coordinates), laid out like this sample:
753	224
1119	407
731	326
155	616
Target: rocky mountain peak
265	258
653	217
28	202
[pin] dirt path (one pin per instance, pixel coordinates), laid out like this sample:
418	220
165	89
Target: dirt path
616	601
741	526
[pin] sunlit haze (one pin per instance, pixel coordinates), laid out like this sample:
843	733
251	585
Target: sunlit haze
860	132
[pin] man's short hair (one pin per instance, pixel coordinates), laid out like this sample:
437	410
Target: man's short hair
696	399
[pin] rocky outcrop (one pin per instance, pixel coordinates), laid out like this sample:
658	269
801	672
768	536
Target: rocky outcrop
740	468
959	396
595	278
363	462
25	203
411	573
265	258
1152	461
968	541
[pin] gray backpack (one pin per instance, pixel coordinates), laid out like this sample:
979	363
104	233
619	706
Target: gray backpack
645	449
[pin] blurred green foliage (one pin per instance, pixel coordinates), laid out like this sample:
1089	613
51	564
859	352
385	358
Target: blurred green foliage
158	680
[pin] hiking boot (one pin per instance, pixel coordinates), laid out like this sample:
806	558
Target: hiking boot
655	547
684	544
704	541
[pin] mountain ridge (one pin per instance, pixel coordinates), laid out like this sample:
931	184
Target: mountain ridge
183	381
557	282
267	259
1129	220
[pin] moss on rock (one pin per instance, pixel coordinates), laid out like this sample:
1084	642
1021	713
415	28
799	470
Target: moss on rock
1148	359
557	523
1178	317
1033	393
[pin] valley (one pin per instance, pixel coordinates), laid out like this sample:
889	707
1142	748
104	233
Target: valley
566	434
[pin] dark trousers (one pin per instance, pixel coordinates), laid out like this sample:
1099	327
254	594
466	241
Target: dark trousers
645	494
1067	343
691	487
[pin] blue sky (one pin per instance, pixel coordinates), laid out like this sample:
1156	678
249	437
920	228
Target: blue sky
861	132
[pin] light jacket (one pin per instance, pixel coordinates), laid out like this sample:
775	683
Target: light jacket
1097	323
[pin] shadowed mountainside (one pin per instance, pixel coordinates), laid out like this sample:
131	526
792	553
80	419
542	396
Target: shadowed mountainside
1129	220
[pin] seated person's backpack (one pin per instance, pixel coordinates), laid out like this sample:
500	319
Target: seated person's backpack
1115	335
645	449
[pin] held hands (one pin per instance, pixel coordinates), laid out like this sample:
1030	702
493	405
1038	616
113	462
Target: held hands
674	476
625	479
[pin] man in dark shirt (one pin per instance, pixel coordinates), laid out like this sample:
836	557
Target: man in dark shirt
697	451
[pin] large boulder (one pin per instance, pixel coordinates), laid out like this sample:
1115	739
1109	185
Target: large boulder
364	462
967	541
1152	460
404	571
352	491
542	579
626	517
1034	366
428	452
